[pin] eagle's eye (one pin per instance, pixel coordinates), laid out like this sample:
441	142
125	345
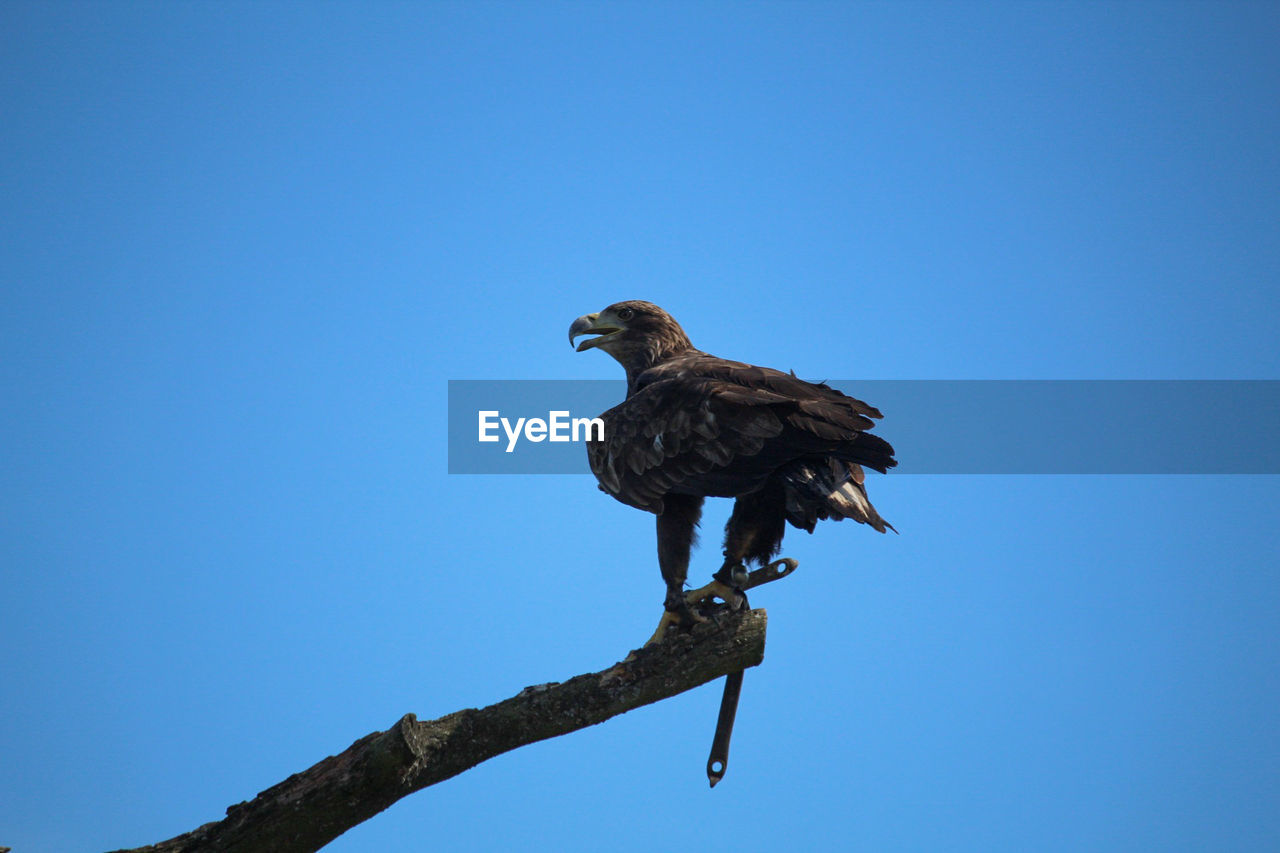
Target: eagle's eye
625	314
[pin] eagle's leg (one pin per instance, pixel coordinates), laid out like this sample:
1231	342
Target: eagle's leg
753	534
677	531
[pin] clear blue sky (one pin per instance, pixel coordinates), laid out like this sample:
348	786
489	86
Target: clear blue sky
245	245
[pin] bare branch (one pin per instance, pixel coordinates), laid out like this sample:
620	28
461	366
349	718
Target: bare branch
310	809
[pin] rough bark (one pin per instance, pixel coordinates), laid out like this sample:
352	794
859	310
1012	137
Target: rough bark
311	808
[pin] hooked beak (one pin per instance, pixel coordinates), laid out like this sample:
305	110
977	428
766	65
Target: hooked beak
589	324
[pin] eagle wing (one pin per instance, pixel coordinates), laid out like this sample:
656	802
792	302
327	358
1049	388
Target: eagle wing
703	425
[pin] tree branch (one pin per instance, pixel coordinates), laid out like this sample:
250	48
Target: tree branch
310	809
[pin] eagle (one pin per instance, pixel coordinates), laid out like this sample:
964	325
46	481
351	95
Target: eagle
695	426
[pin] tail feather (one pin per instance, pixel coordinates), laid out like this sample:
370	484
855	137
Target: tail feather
828	489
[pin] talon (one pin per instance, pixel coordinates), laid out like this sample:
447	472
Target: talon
680	614
715	589
679	605
661	631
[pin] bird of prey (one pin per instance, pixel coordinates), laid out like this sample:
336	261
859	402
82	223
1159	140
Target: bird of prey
695	426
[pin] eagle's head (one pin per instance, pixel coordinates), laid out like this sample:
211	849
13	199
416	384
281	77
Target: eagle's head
638	334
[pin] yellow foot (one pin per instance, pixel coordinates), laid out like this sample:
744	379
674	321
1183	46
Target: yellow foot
715	589
669	618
